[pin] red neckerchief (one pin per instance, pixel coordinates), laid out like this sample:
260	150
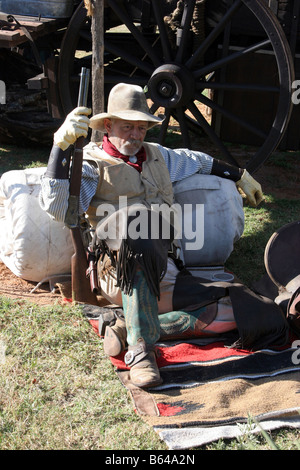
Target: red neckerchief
109	148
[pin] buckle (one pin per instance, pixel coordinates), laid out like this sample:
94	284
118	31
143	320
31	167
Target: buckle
136	354
129	357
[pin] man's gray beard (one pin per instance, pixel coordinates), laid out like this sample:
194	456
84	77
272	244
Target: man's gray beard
124	151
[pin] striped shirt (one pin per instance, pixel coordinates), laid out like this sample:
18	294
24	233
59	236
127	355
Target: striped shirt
54	194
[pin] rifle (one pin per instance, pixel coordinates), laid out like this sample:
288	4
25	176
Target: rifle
81	290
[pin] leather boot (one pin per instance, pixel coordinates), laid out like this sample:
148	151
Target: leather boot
141	359
115	338
179	324
141	312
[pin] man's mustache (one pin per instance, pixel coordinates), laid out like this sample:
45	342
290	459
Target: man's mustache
130	146
133	142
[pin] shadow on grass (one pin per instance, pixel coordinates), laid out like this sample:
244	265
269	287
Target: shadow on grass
17	158
247	258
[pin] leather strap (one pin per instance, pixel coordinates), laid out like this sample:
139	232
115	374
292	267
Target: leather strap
137	353
224	170
59	163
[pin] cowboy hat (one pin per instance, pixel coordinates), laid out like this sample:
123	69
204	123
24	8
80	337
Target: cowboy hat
127	102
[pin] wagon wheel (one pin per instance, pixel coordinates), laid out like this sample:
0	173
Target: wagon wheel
184	73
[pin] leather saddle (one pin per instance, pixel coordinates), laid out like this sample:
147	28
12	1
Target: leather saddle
282	262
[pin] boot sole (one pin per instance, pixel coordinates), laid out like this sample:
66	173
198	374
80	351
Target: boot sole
148	384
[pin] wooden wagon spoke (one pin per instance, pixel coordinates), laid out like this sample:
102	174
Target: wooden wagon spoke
114	78
165	43
140	38
153	108
217	64
129	57
246	87
164	127
214	34
86	35
182	120
233	117
212	134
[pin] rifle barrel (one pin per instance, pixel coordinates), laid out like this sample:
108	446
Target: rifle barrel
81	287
83	87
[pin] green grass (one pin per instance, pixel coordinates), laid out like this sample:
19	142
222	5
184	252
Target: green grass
260	224
15	158
57	388
59	391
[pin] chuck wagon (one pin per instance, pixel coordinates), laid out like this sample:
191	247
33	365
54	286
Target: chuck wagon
220	68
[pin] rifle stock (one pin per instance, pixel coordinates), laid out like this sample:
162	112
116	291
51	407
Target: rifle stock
81	289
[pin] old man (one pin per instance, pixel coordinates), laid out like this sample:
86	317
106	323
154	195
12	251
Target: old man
124	166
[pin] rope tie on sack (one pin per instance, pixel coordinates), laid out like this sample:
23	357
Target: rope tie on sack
89	5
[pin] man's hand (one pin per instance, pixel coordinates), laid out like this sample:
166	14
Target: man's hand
251	188
75	125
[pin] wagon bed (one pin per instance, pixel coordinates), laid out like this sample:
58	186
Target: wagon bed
12	35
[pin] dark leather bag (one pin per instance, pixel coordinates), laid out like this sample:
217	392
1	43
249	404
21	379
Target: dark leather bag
293	312
282	261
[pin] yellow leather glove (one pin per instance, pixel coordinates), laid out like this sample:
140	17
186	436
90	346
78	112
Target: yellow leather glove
251	189
75	125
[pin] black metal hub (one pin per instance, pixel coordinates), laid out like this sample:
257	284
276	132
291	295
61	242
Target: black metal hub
171	86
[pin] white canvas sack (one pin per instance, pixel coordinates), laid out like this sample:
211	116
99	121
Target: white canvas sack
212	219
32	245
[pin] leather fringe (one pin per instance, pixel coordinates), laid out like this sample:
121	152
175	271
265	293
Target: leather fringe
261	322
153	266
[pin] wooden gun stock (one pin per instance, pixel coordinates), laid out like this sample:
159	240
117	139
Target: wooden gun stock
81	289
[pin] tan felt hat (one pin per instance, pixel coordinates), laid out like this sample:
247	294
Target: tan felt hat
127	102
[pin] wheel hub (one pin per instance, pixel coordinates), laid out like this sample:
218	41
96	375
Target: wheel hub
171	86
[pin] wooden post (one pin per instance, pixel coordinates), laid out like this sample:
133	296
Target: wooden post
95	9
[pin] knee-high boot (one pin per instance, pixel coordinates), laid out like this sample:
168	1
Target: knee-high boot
141	313
179	324
140	319
143	330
